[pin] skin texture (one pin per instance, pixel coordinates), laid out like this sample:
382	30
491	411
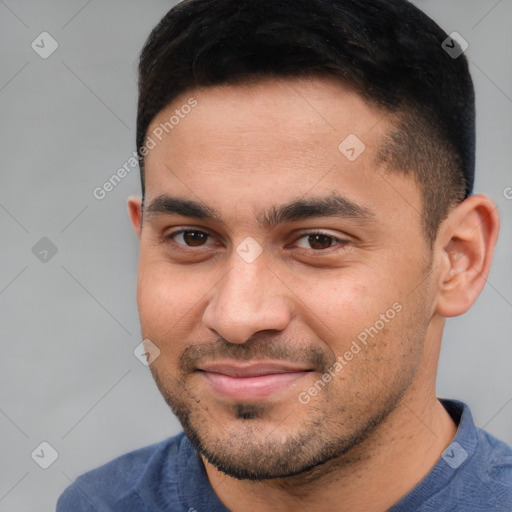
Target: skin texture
369	434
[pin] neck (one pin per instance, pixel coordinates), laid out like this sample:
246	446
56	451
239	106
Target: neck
373	476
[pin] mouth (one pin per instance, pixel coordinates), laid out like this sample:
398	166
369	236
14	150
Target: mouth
251	381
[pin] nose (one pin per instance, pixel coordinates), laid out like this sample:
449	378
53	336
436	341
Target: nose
250	298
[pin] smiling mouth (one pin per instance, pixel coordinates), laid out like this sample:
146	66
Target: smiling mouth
249	382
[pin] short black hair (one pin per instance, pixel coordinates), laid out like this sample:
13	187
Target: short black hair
388	50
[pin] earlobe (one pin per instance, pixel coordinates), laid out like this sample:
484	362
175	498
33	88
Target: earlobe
465	246
135	212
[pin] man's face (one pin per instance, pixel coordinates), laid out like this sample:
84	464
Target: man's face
290	301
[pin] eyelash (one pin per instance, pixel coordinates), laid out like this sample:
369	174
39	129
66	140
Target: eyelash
336	242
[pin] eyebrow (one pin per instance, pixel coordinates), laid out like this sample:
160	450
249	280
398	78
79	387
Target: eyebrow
168	205
297	210
303	209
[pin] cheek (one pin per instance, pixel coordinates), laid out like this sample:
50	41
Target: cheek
171	301
351	309
338	299
166	298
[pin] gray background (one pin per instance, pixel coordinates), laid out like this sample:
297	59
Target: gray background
68	375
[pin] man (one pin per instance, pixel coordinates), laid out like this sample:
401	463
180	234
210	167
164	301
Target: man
307	224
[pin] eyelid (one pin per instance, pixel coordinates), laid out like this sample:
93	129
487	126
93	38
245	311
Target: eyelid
172	234
339	241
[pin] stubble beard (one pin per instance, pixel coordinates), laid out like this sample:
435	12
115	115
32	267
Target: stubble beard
301	445
244	451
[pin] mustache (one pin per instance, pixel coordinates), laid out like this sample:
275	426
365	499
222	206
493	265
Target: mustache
270	348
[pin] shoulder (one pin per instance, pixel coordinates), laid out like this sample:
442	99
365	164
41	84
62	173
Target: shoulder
114	485
494	460
474	473
484	482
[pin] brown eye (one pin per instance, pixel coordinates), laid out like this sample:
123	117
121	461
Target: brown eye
192	238
320	241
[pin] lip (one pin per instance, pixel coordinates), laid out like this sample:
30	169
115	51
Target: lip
251	381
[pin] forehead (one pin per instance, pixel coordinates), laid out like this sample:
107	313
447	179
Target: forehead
269	114
267	142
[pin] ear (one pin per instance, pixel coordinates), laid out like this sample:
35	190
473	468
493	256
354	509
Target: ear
464	247
135	212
